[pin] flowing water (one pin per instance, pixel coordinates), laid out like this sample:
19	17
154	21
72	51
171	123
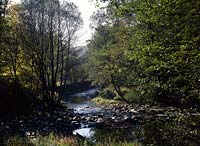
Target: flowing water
80	102
82	105
181	130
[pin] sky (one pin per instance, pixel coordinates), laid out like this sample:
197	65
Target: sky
86	7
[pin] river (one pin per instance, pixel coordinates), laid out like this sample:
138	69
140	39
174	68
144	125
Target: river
84	108
151	125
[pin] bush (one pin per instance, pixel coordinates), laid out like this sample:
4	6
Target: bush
107	93
134	96
172	97
183	130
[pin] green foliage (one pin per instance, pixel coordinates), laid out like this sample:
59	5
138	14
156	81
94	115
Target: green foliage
16	92
34	53
107	61
107	93
157	45
18	141
49	29
103	101
181	131
135	96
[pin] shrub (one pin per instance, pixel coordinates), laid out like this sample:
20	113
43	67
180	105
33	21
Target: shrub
134	96
107	93
181	131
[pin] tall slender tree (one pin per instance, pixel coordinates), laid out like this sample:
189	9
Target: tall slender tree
50	27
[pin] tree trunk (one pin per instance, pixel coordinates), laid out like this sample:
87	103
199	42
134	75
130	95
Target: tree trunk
117	89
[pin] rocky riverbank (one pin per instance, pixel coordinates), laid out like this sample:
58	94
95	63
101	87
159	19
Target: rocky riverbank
39	123
64	121
122	114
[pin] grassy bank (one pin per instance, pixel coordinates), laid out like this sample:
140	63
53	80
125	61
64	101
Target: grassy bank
53	140
105	102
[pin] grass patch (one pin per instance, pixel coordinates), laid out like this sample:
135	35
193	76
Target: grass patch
53	140
17	141
50	140
102	101
118	144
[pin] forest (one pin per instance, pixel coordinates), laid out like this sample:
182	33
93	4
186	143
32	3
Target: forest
149	47
142	63
36	51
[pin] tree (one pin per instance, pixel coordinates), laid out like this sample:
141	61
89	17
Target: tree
107	52
15	96
50	29
73	23
3	27
164	47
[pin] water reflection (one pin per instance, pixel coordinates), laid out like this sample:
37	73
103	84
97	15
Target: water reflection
84	132
86	94
80	102
104	134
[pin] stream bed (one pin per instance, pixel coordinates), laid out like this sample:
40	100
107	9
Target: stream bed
138	124
92	130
